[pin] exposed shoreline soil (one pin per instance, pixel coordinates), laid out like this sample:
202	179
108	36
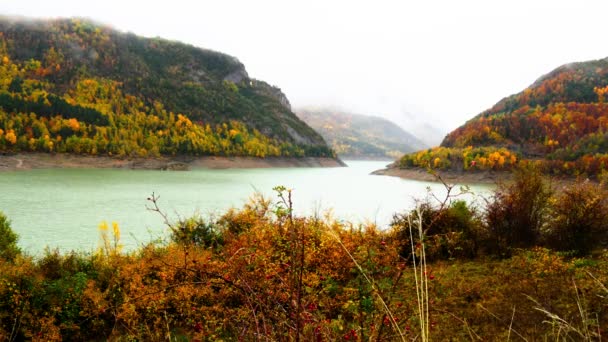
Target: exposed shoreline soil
29	161
419	174
479	177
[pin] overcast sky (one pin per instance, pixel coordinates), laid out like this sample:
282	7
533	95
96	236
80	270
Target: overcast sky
438	61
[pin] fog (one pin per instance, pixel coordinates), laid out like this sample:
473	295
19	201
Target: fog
414	62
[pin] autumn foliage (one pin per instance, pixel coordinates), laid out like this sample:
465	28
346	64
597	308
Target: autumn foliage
263	273
77	92
559	124
466	159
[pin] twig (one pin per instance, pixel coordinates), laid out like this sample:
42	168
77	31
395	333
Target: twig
154	200
511	325
500	319
465	323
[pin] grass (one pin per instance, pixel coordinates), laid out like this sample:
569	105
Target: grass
422	279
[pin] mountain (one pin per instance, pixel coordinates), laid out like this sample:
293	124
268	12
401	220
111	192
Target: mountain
360	136
423	125
129	95
559	123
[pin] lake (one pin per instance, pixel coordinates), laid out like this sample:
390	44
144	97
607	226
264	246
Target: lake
62	208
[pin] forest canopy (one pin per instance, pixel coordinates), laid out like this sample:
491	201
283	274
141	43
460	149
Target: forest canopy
77	87
558	123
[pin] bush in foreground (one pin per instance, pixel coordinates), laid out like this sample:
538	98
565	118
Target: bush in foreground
454	230
278	276
516	212
578	219
8	240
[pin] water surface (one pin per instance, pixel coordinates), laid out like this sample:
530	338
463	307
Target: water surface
62	208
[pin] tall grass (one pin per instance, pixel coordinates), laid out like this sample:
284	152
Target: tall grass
588	328
376	291
420	277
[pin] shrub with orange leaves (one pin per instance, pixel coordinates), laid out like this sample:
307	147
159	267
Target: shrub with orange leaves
272	275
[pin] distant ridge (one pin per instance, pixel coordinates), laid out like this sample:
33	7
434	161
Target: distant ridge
360	136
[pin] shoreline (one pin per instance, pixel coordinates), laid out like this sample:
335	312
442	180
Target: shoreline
481	177
419	174
31	161
366	158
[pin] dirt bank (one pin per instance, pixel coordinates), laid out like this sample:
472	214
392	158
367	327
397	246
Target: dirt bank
450	177
28	161
481	177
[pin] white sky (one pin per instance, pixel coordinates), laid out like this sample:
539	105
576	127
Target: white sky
437	61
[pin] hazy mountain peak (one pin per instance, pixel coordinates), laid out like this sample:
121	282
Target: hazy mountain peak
360	136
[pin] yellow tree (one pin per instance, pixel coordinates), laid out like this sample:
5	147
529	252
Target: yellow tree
11	137
601	92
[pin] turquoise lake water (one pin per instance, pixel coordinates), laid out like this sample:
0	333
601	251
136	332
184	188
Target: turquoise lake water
62	208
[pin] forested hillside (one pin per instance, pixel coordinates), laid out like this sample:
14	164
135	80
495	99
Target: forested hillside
360	136
559	123
71	85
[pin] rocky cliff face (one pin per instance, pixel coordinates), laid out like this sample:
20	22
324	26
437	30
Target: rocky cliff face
275	92
237	76
279	95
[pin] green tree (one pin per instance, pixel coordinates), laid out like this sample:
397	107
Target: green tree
8	240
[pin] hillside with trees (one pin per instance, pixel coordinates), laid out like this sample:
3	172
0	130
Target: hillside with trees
360	136
559	123
70	85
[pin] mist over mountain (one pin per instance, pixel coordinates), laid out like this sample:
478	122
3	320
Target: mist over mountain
360	136
430	133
